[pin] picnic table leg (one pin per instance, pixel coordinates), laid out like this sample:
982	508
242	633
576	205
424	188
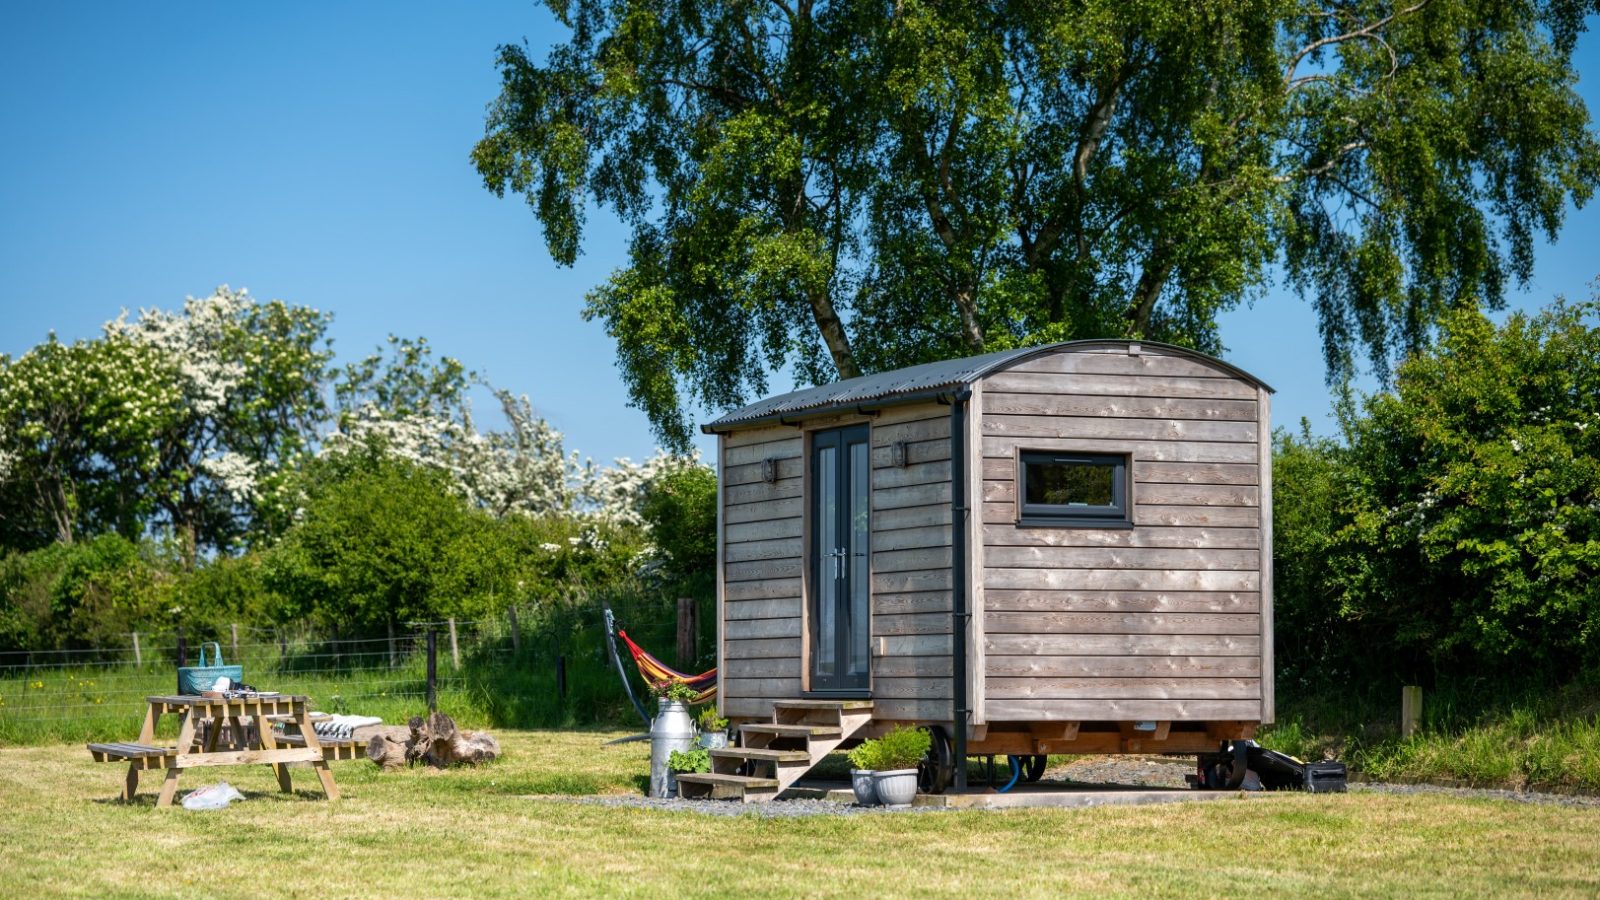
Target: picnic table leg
268	742
320	764
130	787
169	787
147	734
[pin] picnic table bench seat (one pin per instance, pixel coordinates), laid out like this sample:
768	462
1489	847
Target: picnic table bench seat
332	748
128	751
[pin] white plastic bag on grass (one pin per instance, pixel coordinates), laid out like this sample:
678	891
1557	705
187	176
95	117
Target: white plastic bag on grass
212	796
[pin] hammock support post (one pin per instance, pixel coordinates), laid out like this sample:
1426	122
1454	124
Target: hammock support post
611	642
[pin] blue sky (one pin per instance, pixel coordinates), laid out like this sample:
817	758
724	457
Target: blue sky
318	154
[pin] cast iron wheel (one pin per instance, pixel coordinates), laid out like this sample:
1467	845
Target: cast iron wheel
1033	767
938	768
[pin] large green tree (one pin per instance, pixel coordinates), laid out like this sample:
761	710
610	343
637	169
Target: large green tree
850	186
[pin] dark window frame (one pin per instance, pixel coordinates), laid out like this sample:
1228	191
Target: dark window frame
1118	515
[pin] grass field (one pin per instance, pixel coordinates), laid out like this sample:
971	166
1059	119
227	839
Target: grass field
499	831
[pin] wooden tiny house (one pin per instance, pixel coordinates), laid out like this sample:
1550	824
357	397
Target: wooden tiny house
1091	522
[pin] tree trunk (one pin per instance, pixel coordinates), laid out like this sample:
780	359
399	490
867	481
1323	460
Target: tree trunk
435	740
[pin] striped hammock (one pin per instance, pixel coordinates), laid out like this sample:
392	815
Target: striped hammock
657	673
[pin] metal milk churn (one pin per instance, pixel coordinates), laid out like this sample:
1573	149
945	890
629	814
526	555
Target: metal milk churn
672	730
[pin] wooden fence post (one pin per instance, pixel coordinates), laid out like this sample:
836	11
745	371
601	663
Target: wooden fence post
455	648
233	631
433	671
516	630
392	658
138	658
1410	710
687	632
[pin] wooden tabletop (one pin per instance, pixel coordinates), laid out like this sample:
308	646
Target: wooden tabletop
197	700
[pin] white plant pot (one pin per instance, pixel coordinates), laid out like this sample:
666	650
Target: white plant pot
713	740
865	786
897	787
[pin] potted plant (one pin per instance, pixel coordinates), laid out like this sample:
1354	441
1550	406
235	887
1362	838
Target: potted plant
713	728
672	730
863	762
892	760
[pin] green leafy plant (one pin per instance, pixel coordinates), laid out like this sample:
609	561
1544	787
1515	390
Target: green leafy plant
901	748
709	721
675	690
691	761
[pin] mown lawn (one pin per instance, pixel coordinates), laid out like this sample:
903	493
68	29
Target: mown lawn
483	833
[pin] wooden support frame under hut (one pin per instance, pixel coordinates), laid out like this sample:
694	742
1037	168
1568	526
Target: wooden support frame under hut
1058	549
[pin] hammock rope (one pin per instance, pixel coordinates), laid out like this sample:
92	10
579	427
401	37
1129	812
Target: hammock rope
658	674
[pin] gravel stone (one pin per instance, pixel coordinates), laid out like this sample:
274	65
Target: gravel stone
771	809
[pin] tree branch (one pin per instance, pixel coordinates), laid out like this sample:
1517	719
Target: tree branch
1365	32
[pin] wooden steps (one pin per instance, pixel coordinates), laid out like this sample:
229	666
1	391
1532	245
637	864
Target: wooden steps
776	754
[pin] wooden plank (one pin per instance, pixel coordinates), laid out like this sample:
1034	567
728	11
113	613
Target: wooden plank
973	552
1005	446
1122	623
1125	601
753	629
761	492
1113	710
919	430
1268	697
783	608
1001	535
762	687
897	710
765	648
912	667
910	689
911	560
771	589
913	645
918	473
789	448
1125	688
789	508
1121	666
1020	382
909	517
911	538
1197	495
764	570
765	434
1126	644
1197	516
909	412
1121	558
777	667
781	548
911	495
911	602
1129	429
912	623
746	707
1150	362
764	530
917	452
756	472
1065	404
1118	580
899	582
1004	468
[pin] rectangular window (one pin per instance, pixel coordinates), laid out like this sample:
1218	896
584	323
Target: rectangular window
1072	489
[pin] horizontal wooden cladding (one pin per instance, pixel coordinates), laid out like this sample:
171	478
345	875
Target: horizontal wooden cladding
749	707
909	517
915	473
911	602
911	495
784	608
780	667
761	492
1122	666
1119	558
1120	623
1143	514
1118	429
763	569
1123	688
771	589
910	688
755	473
1152	536
1101	405
917	452
912	623
761	648
781	548
782	688
1119	580
1113	710
1005	446
1123	644
787	447
903	645
761	511
893	710
1120	362
911	560
1156	494
912	667
1122	601
928	429
751	629
1017	382
899	582
912	538
767	530
1004	468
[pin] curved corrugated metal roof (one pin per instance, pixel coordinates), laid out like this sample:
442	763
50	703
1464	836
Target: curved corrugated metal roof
885	388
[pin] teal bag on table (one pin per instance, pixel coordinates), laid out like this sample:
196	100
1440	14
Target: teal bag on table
195	679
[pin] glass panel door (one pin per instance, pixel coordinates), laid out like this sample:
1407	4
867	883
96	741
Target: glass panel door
841	530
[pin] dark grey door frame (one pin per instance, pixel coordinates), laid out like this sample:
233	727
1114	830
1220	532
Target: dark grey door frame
840	556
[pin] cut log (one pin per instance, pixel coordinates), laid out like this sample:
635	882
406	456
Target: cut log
435	741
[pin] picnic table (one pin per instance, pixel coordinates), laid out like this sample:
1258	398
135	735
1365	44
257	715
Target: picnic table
260	744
